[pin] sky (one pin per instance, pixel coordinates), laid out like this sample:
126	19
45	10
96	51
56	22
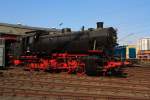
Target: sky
130	17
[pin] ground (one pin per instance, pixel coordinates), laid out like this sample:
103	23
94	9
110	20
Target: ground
17	84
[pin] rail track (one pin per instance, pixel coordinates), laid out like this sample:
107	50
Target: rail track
16	83
82	79
62	95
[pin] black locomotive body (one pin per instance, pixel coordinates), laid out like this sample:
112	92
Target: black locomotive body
70	42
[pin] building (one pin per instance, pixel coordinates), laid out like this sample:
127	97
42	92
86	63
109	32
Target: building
143	48
19	29
125	52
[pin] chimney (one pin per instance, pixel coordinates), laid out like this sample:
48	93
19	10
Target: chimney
99	25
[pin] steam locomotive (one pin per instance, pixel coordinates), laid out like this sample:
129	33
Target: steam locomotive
86	51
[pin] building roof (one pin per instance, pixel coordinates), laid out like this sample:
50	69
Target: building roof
28	27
